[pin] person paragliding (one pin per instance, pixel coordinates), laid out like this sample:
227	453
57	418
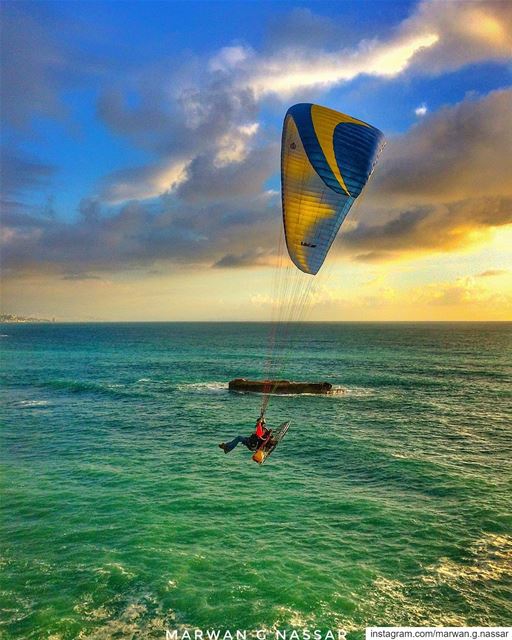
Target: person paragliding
259	437
327	158
261	428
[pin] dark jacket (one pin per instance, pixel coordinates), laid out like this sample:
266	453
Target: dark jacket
253	442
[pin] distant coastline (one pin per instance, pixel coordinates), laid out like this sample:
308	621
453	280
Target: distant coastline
12	318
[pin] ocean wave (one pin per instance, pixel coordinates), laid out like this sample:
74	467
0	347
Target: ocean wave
81	386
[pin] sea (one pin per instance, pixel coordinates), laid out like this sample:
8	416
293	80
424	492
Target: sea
387	503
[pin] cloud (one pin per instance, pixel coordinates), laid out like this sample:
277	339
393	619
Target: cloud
251	258
463	291
139	183
469	32
212	109
300	28
429	195
21	173
228	57
421	110
206	124
290	70
437	37
140	235
31	64
442	186
459	151
80	276
491	273
431	228
206	180
212	143
20	177
204	194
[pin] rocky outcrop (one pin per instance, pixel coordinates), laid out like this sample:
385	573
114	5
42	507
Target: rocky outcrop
279	386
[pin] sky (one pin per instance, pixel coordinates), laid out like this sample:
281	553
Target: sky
140	157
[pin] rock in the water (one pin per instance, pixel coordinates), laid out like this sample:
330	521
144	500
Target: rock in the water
279	386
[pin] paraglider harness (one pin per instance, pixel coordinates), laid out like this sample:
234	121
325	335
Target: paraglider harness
257	442
263	442
269	442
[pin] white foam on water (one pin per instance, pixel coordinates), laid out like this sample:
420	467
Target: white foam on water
392	597
115	567
358	392
492	560
296	619
27	404
198	387
404	456
142	618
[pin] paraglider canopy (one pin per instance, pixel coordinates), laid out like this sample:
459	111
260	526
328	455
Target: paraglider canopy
326	160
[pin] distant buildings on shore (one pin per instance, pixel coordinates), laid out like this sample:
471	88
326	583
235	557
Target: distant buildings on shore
10	317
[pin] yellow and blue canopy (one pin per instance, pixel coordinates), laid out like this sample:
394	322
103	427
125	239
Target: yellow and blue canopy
326	160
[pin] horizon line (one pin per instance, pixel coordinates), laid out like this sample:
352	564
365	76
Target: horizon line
44	321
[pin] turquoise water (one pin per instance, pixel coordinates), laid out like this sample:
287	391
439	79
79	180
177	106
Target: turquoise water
387	505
